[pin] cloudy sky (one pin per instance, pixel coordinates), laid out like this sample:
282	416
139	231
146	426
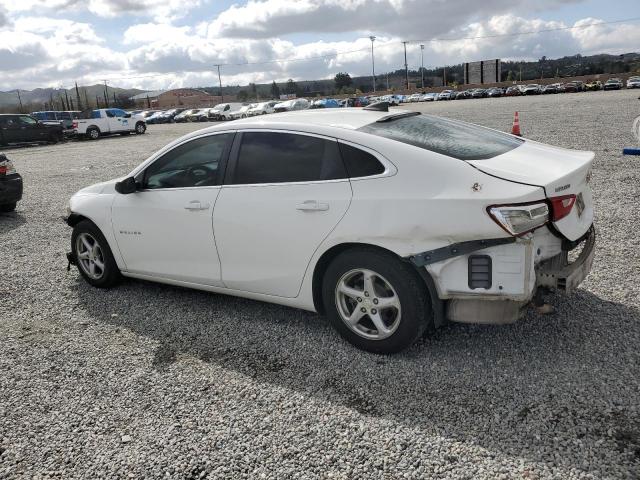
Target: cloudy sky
169	43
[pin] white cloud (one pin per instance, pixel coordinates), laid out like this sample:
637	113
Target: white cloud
161	10
47	50
408	18
154	32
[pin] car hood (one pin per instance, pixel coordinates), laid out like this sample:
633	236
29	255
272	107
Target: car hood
100	188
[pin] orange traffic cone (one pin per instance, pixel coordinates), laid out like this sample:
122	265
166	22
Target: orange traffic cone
515	130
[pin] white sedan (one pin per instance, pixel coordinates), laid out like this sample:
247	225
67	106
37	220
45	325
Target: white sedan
387	223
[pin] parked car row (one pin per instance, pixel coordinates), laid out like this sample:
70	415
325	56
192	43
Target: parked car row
514	90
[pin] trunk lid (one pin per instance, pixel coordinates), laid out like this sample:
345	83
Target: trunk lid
559	171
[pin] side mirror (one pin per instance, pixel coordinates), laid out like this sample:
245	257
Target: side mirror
127	115
127	186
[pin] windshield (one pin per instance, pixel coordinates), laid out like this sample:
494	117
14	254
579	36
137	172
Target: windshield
455	139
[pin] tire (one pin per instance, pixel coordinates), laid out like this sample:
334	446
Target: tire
86	234
405	318
54	138
8	207
93	133
140	128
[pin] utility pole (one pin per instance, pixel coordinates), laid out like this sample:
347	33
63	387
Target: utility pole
78	98
422	64
20	101
106	95
220	82
373	65
444	76
406	67
387	81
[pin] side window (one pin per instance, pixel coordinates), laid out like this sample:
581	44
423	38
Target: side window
117	112
95	114
192	164
360	163
110	113
25	120
268	157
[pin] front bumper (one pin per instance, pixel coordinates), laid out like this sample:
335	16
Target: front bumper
10	189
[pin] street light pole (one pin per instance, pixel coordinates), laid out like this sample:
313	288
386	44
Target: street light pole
406	66
422	64
220	81
373	66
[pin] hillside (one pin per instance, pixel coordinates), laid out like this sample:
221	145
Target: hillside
575	65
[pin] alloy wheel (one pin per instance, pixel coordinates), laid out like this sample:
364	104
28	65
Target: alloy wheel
89	256
368	304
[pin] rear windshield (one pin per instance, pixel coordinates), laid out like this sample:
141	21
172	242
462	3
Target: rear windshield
448	137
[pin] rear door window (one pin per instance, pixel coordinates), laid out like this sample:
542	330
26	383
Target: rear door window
441	135
273	157
359	163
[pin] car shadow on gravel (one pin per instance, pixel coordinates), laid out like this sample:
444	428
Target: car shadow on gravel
544	385
10	221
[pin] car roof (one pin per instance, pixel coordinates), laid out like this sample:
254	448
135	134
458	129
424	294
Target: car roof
347	118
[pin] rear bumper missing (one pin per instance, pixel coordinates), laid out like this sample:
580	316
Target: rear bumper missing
516	272
558	274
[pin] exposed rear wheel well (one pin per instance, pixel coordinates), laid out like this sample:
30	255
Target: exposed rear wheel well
333	252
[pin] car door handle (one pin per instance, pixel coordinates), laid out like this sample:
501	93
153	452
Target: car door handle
196	205
312	206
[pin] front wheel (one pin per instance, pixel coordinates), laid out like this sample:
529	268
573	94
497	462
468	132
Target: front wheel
93	256
140	128
375	301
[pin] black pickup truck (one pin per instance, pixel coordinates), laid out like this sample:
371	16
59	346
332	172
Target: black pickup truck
18	128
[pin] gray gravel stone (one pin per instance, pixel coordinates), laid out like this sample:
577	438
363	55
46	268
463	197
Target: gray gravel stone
152	381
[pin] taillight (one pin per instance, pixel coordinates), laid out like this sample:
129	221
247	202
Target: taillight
561	206
520	219
6	167
74	124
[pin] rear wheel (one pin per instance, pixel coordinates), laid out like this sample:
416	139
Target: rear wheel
93	256
55	137
93	133
375	301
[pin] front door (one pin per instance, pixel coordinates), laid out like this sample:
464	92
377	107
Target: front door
286	192
117	121
165	230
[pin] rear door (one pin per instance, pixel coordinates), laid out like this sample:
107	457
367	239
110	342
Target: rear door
10	129
284	193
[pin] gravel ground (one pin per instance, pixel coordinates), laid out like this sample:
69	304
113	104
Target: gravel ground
150	381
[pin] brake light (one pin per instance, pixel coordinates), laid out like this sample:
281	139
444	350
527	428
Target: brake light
6	167
561	206
74	124
520	219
